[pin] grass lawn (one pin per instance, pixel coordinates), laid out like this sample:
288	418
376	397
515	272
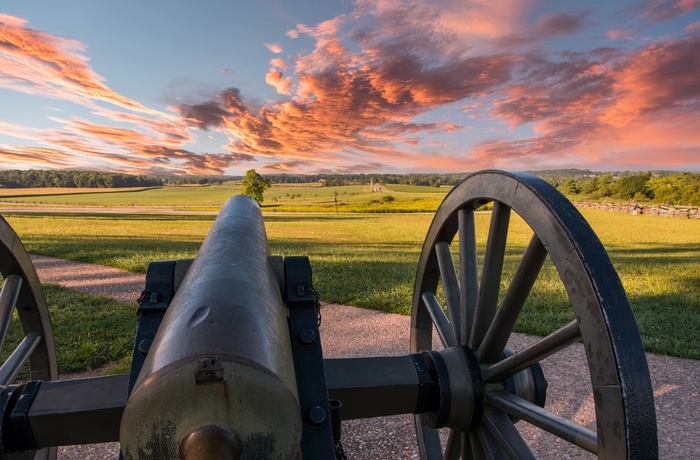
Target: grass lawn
89	331
210	196
370	260
279	198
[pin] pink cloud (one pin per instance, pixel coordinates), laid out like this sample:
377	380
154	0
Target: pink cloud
693	26
468	23
273	47
658	78
626	109
279	63
615	34
661	10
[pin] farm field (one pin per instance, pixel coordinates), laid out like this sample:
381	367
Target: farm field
213	195
369	260
33	192
279	198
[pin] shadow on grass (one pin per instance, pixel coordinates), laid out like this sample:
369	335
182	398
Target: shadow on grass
131	254
381	276
670	323
656	253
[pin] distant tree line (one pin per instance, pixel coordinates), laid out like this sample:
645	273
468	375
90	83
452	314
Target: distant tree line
334	180
672	188
40	178
658	186
201	180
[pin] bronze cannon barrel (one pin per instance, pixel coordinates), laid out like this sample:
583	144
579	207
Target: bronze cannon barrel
218	381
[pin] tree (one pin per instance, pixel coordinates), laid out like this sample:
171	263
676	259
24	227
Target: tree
254	185
631	186
570	186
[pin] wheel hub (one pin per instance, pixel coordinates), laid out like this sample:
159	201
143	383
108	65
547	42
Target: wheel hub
460	388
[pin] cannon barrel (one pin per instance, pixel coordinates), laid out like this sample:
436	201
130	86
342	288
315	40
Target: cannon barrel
219	381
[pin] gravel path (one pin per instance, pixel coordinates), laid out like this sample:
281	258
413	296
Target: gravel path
352	332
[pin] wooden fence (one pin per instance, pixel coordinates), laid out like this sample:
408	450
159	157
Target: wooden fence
683	212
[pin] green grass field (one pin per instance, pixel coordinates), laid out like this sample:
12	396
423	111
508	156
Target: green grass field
210	196
89	331
279	198
369	260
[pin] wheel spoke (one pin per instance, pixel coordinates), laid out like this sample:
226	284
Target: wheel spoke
466	446
502	326
491	449
451	287
507	436
8	300
552	423
442	324
491	274
11	367
468	271
453	449
534	353
428	440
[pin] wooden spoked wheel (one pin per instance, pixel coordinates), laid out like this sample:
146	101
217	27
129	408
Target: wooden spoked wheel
486	390
21	291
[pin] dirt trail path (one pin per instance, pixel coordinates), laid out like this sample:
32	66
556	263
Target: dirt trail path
348	331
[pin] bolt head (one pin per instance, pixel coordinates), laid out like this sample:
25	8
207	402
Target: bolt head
307	336
316	415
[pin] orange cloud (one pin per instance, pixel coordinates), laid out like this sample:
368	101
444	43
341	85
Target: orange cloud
371	73
349	102
36	62
39	63
277	80
18	156
361	96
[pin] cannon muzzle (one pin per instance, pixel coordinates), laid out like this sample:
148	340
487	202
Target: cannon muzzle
219	377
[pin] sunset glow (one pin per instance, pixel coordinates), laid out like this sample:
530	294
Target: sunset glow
367	86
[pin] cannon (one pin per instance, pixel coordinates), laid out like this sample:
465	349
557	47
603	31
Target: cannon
227	361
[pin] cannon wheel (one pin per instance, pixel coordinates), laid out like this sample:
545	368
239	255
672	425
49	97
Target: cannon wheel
21	289
622	393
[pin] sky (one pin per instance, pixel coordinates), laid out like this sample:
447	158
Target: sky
364	86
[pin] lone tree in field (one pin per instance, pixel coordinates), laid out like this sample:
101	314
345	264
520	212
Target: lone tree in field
254	185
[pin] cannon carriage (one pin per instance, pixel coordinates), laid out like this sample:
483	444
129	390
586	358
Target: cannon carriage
227	360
